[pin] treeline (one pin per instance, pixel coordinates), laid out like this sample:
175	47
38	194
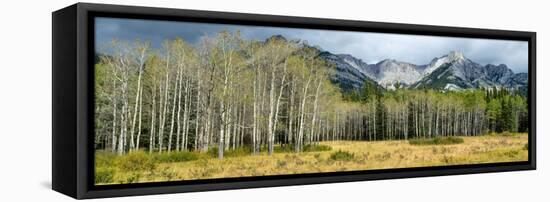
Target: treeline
227	92
427	113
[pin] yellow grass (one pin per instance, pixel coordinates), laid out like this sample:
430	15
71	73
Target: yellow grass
367	156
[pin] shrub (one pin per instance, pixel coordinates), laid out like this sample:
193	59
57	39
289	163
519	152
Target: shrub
316	148
104	175
506	133
281	164
511	154
383	156
133	177
437	141
168	174
448	159
342	156
306	148
105	159
526	146
241	151
136	161
171	157
288	148
317	156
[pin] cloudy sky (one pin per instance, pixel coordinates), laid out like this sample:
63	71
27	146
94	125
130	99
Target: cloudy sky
370	47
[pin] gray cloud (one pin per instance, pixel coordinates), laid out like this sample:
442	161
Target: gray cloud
370	47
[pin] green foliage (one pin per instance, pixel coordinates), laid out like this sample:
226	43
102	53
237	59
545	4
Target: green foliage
369	91
526	146
437	141
511	154
136	161
104	175
506	133
342	156
438	82
506	111
317	156
237	152
306	148
171	157
316	148
105	159
168	174
132	177
288	148
281	164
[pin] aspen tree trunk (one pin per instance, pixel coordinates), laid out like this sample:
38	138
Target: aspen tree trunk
178	119
164	107
291	113
228	120
271	111
176	89
302	113
315	106
198	135
243	122
222	124
160	111
277	104
121	136
139	118
264	101
113	134
114	100
186	112
255	114
237	126
123	118
140	70
152	131
208	128
223	113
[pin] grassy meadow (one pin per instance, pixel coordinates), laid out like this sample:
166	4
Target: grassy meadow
334	156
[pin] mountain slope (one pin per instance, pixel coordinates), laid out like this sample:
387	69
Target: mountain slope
350	74
389	72
452	71
462	73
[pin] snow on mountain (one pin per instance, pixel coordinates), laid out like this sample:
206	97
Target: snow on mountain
452	71
437	62
389	72
458	72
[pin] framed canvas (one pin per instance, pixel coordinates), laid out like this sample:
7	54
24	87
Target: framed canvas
155	100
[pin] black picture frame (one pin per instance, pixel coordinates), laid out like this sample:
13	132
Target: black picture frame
72	100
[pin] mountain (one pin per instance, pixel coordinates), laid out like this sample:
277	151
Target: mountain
452	71
389	72
350	71
456	72
437	62
449	72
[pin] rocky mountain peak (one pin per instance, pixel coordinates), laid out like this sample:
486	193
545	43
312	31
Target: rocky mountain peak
452	71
